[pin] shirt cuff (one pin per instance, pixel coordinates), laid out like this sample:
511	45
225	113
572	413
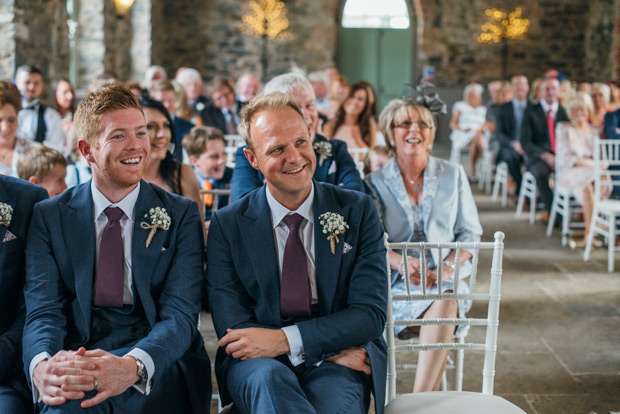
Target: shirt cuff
35	361
296	354
146	359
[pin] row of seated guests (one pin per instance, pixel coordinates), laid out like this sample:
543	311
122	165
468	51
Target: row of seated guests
158	297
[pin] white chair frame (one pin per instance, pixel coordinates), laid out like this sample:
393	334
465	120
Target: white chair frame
606	213
452	401
358	155
484	171
528	189
565	205
216	199
501	183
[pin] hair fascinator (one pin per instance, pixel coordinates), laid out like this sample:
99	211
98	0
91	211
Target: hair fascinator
425	94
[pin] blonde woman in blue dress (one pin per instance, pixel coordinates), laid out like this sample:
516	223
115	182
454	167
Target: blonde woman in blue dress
423	198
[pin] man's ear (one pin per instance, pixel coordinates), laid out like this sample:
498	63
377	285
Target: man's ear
251	158
33	180
86	150
193	159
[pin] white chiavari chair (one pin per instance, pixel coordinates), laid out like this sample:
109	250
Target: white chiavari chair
451	401
529	190
358	155
606	212
501	183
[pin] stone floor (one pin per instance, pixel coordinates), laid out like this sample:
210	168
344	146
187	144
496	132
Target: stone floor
559	334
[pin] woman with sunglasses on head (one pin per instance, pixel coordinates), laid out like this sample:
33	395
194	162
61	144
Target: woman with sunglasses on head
162	168
423	198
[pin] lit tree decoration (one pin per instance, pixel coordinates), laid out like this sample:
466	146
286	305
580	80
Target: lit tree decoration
267	21
501	27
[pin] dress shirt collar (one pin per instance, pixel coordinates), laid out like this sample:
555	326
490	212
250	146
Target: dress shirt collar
30	104
554	108
519	104
101	202
278	211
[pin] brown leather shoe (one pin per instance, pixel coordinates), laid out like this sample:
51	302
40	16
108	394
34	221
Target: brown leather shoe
545	217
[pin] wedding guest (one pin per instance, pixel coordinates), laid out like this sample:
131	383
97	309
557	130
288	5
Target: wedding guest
299	318
468	125
224	112
43	166
191	81
423	198
37	122
62	99
17	199
113	280
206	148
162	168
339	88
376	158
248	86
574	161
354	123
601	94
153	74
614	101
10	145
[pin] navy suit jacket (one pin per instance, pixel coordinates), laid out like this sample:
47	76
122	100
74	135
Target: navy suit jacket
506	124
243	279
182	128
611	124
213	116
534	131
339	169
167	279
22	196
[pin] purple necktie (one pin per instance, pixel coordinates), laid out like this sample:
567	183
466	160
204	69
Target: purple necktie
295	294
111	270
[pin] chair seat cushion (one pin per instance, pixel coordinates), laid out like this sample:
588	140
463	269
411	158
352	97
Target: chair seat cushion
610	206
444	402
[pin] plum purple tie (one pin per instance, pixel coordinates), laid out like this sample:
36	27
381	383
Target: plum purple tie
111	271
295	294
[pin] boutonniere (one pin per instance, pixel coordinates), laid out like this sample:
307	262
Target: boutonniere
200	106
324	149
159	220
333	225
6	214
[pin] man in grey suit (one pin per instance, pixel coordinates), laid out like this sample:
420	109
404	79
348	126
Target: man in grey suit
114	269
296	279
17	199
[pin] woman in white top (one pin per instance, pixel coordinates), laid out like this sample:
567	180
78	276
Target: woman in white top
468	124
10	145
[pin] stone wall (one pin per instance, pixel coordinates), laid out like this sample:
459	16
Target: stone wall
34	32
573	36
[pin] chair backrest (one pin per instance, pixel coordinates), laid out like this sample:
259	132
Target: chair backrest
606	165
491	297
234	140
358	155
216	198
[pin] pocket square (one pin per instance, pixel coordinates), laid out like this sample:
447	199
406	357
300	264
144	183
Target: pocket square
332	168
8	236
163	249
346	248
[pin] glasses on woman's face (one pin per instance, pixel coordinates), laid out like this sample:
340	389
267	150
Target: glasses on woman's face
407	124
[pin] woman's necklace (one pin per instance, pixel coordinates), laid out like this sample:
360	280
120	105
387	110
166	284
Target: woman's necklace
417	186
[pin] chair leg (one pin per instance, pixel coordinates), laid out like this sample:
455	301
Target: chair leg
533	209
565	209
611	244
458	366
590	237
554	210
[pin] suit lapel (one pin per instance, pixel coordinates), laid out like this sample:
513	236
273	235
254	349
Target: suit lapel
144	259
78	228
12	201
327	264
256	230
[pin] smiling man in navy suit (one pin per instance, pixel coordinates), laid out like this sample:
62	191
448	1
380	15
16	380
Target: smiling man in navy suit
17	199
113	280
299	313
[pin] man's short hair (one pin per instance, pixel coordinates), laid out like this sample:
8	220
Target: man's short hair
95	105
288	83
9	95
265	101
37	161
27	69
218	83
195	143
188	74
162	86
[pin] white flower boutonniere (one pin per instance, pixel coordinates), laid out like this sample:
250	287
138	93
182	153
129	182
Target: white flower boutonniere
324	149
6	214
333	225
159	220
200	106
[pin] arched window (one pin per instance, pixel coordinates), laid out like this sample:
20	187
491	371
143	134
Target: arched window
373	14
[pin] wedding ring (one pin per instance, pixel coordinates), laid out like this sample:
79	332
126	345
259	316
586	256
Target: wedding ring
95	384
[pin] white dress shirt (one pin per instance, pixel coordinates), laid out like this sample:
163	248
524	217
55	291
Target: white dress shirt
280	231
28	121
127	204
546	107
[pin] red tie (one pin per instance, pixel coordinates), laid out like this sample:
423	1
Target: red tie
551	127
295	294
111	270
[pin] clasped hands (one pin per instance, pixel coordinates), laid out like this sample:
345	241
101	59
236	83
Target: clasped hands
68	375
416	278
252	343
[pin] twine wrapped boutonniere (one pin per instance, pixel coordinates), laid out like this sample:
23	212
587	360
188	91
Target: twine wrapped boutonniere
333	225
159	220
324	149
6	214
